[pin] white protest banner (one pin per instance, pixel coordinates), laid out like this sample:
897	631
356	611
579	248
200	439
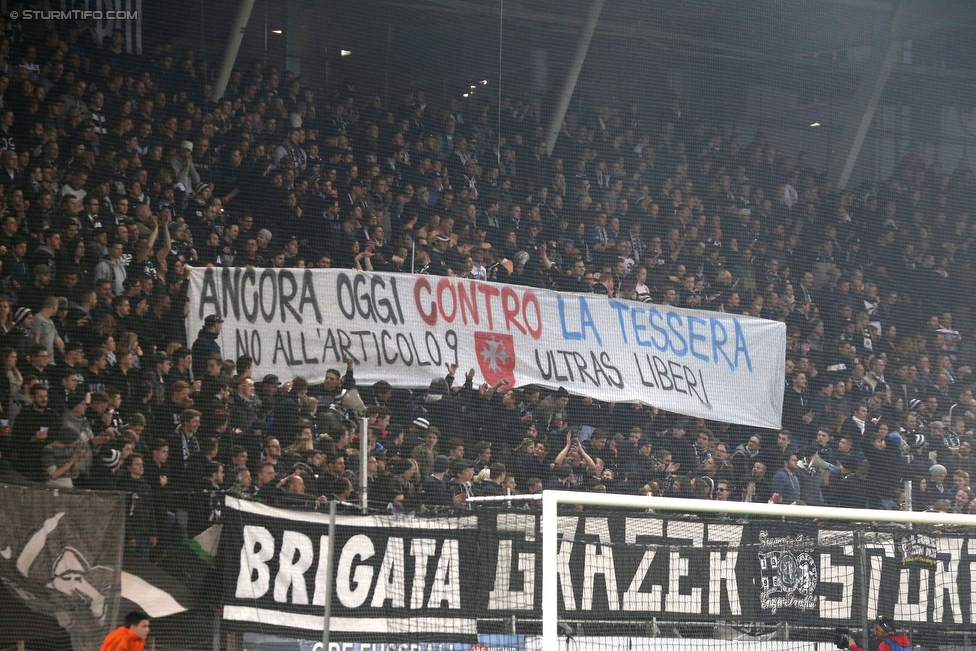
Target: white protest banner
408	329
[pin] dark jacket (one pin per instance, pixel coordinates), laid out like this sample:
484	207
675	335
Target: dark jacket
126	383
165	419
19	341
5	392
27	453
284	420
490	488
436	492
682	451
269	494
388	488
205	346
206	504
861	441
162	495
181	447
885	472
243	414
140	513
176	375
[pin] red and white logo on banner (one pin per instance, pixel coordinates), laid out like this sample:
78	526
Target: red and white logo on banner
496	356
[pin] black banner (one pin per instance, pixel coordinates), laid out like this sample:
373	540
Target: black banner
628	566
395	578
61	563
613	565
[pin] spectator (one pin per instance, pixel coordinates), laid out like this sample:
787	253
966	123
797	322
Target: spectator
44	330
33	429
666	215
460	484
243	408
435	487
131	636
206	344
271	453
113	268
62	459
786	484
184	439
140	522
493	485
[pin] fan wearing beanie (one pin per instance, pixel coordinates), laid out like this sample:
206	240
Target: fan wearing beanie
20	337
436	491
937	488
73	418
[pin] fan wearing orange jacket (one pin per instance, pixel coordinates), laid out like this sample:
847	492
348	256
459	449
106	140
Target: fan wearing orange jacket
131	636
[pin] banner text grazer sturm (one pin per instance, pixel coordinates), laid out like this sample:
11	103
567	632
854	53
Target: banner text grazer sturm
615	567
612	567
413	327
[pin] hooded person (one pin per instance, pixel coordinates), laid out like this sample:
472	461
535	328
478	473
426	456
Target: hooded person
552	406
937	488
69	576
442	408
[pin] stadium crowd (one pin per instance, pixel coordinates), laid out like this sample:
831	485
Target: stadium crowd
120	173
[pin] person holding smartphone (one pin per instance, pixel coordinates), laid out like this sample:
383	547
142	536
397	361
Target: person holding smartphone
61	458
31	433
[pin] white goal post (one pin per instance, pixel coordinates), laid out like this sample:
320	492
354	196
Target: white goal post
550	528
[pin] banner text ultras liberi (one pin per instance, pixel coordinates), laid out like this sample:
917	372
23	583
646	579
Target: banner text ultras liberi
411	328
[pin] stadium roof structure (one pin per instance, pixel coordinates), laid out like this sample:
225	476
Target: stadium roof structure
789	34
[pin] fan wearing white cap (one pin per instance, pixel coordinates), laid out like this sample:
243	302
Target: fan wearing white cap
184	172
